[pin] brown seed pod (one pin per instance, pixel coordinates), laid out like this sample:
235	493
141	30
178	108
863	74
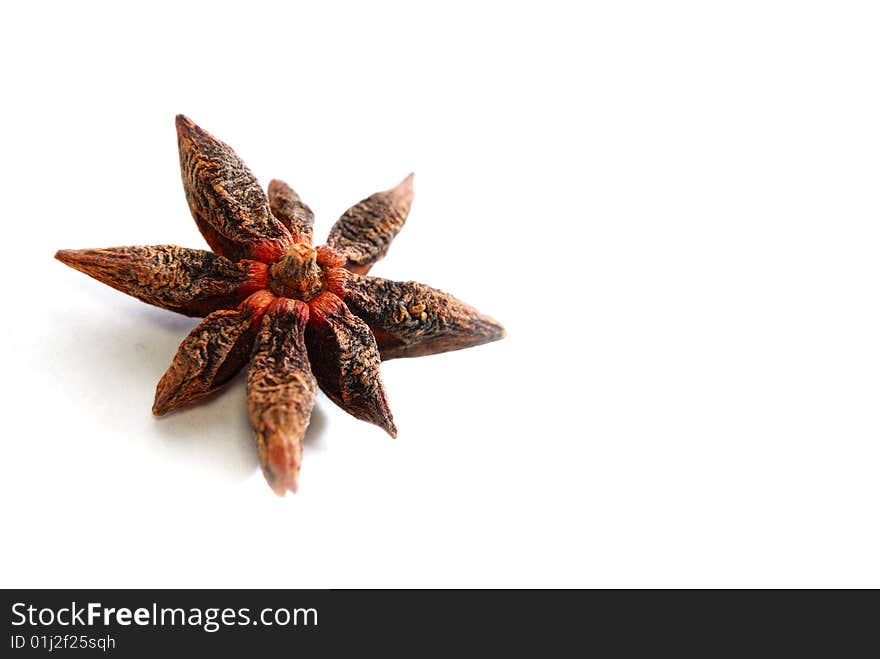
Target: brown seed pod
281	392
225	199
346	361
211	355
189	281
410	319
364	232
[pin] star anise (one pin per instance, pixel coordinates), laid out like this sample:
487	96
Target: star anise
302	315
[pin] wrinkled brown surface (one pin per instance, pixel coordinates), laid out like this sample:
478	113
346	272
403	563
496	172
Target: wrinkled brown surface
189	281
211	355
365	231
289	209
410	319
225	199
281	393
329	326
345	360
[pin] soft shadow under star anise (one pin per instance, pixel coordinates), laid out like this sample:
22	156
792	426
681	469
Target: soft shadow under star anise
305	317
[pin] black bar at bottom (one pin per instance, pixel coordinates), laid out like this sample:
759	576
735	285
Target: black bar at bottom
416	622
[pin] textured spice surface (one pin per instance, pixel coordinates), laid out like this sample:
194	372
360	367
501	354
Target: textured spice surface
190	281
225	199
346	361
281	392
410	319
303	316
364	232
286	205
212	353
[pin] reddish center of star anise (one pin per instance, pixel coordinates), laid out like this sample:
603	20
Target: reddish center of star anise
297	274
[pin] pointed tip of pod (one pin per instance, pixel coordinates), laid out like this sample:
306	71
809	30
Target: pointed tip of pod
281	488
403	191
486	330
378	412
279	187
70	256
168	396
164	401
93	262
494	330
190	135
281	469
188	129
386	423
182	122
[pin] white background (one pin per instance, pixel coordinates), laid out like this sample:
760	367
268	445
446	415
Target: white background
673	207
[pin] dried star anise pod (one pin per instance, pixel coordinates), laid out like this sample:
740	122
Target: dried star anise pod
304	316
